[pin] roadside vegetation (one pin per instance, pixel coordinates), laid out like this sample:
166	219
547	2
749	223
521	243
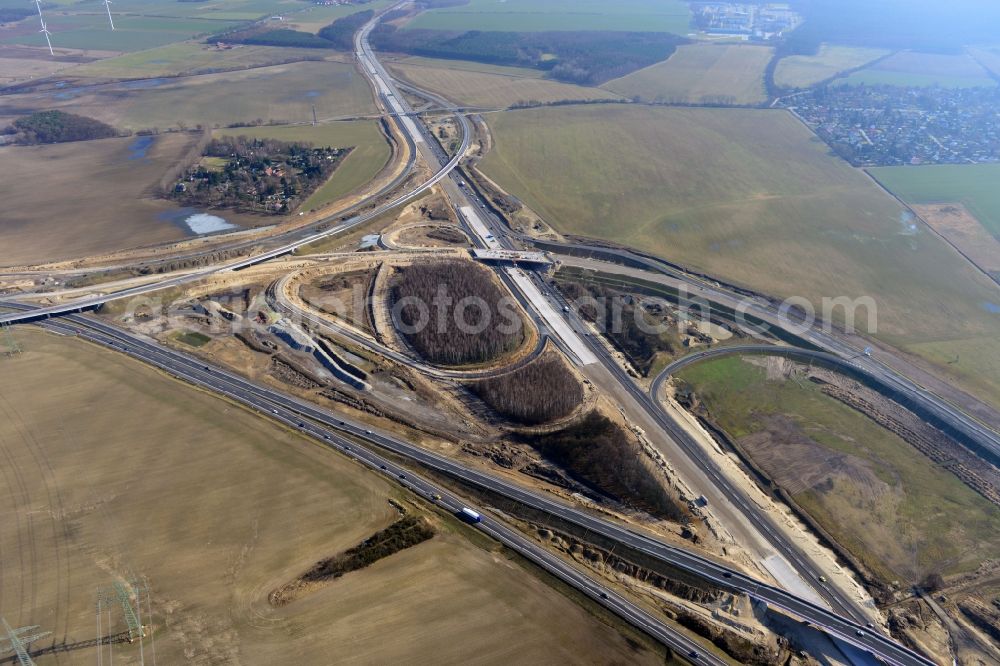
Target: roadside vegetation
540	392
600	454
58	127
491	326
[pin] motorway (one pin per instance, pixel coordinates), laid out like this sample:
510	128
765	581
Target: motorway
309	418
828	341
837	625
318	424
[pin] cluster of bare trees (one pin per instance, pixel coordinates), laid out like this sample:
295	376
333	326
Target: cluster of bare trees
539	392
599	453
453	313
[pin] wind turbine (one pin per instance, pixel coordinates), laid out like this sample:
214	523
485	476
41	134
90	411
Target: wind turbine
107	5
45	31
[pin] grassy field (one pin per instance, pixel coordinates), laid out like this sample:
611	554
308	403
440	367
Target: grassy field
491	90
908	68
893	508
282	92
95	201
370	154
804	71
190	58
750	196
132	33
700	73
529	15
311	18
972	185
213	508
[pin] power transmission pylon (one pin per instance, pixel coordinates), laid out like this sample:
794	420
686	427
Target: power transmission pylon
118	594
18	642
12	346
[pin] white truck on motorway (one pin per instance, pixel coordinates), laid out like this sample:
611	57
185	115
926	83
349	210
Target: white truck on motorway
470	515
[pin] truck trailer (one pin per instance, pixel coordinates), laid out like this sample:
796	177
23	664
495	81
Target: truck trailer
470	515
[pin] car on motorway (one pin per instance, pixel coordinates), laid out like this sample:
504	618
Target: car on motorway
368	432
381	466
274	411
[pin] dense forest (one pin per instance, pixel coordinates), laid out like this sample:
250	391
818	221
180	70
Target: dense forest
539	392
257	175
340	33
586	57
431	323
599	453
58	127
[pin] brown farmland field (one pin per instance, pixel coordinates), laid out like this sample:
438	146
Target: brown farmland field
750	196
701	73
280	92
88	197
489	89
114	471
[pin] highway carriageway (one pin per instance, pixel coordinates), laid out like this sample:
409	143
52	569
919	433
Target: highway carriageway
266	400
218	381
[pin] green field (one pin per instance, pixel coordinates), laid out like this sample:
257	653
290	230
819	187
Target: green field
908	68
531	15
310	18
750	196
804	71
701	73
489	89
190	58
371	153
976	186
896	510
132	33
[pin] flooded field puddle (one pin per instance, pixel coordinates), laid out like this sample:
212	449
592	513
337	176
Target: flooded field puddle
196	222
